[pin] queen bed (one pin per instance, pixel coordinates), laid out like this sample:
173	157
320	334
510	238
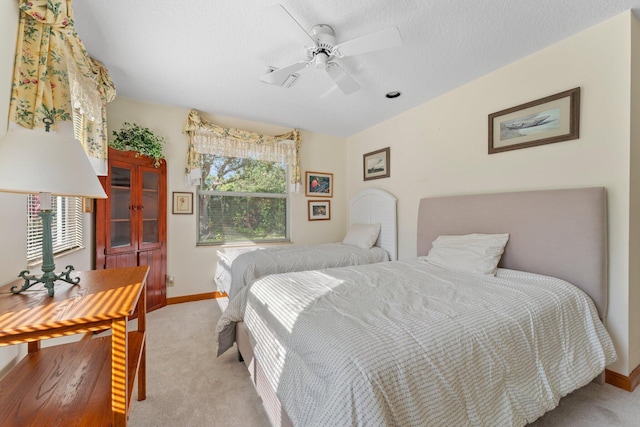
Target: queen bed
372	237
448	338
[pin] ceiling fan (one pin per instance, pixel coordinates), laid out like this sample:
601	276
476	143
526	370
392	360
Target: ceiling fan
325	52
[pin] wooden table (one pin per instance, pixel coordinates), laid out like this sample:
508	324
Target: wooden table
84	383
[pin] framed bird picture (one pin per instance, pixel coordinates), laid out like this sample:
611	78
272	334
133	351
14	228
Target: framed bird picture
319	184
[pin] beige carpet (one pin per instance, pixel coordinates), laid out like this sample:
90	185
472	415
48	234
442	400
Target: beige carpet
188	386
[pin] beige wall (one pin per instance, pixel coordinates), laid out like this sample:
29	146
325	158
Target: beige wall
193	267
440	148
13	226
634	195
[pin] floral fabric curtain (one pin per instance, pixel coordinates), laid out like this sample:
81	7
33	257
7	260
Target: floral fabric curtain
55	77
207	138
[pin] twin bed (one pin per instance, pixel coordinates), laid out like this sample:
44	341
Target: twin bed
372	237
448	338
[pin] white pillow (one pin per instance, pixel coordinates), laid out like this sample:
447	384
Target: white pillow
474	253
362	235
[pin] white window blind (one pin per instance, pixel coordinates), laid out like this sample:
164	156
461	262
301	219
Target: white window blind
66	226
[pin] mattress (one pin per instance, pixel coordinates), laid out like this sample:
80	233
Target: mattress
407	343
237	268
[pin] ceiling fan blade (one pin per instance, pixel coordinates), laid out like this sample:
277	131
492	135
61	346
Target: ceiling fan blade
285	19
342	79
278	77
384	39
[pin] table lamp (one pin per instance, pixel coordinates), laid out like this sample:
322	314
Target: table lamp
46	163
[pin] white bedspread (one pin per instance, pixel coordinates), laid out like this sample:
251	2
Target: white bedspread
239	267
410	344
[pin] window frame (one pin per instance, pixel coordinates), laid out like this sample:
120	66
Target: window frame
67	228
286	195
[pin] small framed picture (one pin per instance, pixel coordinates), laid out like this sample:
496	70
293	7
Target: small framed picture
319	184
182	203
319	209
376	164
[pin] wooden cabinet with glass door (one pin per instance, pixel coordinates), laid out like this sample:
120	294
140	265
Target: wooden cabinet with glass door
131	223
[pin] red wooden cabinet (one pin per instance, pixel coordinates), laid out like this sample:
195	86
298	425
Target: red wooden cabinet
131	224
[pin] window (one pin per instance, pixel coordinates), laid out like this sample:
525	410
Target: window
66	226
242	200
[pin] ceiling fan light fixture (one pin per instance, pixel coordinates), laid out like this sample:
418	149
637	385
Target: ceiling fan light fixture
321	59
393	94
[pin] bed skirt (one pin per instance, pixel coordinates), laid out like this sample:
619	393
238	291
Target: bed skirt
277	415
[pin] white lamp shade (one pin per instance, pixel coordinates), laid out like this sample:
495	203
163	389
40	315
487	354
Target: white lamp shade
34	161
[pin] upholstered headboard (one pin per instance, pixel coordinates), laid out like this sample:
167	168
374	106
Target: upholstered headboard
559	233
371	206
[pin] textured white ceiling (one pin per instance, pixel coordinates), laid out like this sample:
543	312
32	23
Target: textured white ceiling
208	54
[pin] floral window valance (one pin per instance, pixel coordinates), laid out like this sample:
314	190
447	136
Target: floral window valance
54	77
208	138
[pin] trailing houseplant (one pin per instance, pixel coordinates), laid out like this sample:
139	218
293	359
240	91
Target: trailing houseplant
133	137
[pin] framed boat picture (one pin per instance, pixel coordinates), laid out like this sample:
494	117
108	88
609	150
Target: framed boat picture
376	164
547	120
